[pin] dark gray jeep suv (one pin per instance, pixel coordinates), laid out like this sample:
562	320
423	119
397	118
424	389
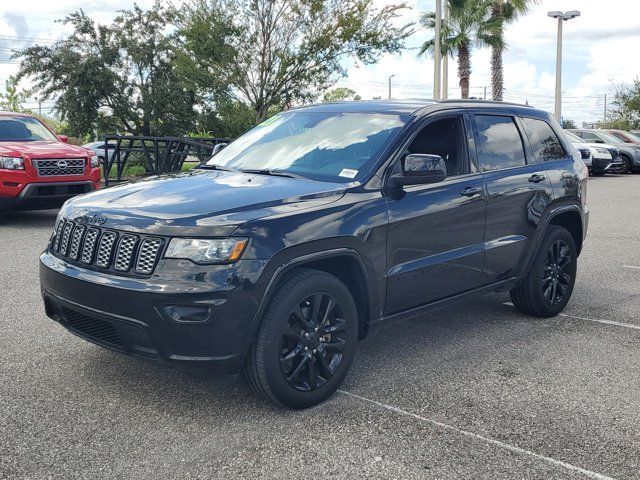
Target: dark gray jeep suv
316	228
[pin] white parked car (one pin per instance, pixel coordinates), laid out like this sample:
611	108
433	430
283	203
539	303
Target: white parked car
601	158
98	148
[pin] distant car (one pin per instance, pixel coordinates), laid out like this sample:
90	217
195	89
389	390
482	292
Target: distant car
38	169
99	150
600	158
626	137
635	133
630	153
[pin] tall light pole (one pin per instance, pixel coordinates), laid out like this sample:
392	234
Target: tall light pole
562	17
445	60
390	77
436	51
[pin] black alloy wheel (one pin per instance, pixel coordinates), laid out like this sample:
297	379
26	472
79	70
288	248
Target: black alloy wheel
546	288
313	342
556	278
306	341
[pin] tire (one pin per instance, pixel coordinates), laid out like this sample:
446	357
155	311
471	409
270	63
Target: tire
626	168
306	342
547	288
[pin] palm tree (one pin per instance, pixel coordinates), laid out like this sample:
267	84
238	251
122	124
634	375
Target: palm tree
508	11
470	25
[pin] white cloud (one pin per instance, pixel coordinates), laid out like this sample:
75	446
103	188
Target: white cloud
600	51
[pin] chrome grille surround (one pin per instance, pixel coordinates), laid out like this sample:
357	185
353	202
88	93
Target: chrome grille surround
57	167
76	239
107	240
96	248
66	235
58	235
124	253
148	255
89	247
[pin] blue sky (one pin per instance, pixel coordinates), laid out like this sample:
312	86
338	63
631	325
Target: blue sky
600	51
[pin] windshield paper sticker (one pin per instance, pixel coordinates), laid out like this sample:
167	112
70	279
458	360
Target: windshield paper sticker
348	173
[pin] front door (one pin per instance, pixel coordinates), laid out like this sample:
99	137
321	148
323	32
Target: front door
435	235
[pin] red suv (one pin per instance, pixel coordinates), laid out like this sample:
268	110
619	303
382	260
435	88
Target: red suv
38	169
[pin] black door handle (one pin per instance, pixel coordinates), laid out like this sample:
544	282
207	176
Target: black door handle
535	178
471	191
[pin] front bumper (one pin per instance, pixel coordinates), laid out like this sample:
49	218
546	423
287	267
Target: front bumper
607	164
138	316
38	196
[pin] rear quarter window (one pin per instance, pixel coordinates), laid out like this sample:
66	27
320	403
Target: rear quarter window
544	142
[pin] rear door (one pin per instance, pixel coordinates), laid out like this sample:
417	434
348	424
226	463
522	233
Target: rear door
518	191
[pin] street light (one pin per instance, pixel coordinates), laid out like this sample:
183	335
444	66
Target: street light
437	53
390	77
562	17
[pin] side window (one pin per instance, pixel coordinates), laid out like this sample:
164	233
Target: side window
544	141
444	137
589	137
500	145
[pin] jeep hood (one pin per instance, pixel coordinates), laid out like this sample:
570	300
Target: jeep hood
199	203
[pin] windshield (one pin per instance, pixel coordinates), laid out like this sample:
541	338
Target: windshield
573	138
607	138
318	145
24	129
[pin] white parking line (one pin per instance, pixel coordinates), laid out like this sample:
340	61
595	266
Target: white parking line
595	320
476	436
630	266
601	320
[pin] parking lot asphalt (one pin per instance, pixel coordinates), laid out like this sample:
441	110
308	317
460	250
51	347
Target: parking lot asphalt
473	391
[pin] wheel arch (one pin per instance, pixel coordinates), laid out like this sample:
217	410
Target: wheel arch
346	264
571	220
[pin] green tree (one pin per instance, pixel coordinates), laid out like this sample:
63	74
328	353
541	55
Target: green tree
507	11
569	124
115	77
625	111
470	25
12	99
278	52
340	94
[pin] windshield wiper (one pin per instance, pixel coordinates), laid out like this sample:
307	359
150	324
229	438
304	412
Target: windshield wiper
274	173
213	166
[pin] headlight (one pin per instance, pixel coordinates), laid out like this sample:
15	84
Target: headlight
601	150
95	161
207	251
12	163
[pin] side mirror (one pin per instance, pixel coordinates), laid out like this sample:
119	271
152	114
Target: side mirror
597	140
420	168
218	147
63	138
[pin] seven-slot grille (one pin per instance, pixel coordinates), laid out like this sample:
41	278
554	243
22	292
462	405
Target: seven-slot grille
106	249
60	166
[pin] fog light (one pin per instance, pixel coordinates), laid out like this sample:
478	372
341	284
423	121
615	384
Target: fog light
188	313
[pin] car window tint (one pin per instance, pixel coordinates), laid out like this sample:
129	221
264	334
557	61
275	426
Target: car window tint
544	141
445	138
500	145
588	136
619	136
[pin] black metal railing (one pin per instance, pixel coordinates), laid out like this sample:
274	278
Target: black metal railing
157	155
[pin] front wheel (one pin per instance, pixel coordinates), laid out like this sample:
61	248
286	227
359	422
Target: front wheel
626	165
306	342
547	288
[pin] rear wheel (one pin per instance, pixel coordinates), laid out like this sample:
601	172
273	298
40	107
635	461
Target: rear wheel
547	288
306	342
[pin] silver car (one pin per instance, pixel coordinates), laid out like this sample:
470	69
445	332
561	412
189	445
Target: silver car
630	153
